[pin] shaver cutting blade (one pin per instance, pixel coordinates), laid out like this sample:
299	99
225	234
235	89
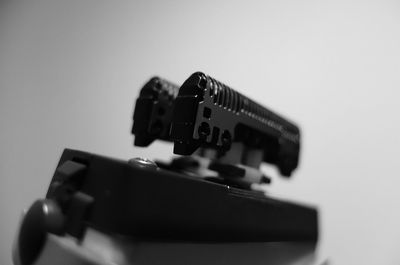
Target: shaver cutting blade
207	113
153	111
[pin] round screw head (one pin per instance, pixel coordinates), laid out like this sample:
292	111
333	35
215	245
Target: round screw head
142	163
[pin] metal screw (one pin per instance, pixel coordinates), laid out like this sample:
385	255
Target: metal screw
142	163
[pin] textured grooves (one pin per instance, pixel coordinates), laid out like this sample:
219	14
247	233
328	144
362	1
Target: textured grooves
153	111
166	87
225	96
228	98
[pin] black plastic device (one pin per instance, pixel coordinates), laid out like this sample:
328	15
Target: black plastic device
153	111
200	198
137	198
209	113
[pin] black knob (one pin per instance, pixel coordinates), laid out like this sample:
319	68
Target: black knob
44	216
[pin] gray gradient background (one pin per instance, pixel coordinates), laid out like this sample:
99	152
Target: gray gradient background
70	71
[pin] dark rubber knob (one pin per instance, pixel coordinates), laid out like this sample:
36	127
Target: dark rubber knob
44	216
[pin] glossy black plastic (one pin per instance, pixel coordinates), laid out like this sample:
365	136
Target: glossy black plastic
154	203
208	113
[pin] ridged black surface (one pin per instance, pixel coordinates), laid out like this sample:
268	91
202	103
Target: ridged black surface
210	114
153	111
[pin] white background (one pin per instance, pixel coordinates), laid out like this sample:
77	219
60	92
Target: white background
70	71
